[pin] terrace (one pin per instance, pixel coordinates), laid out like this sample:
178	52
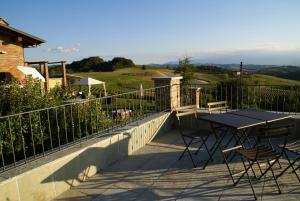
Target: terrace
84	151
155	173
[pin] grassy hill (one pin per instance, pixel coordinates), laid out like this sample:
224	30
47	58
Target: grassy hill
288	72
129	79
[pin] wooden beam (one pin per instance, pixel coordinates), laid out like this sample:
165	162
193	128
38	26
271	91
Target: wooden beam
64	75
46	75
19	39
36	62
56	62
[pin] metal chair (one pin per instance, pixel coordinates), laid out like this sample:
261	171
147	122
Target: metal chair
294	149
191	137
261	153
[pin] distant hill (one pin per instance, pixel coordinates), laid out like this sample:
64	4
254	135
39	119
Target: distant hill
230	66
211	69
287	72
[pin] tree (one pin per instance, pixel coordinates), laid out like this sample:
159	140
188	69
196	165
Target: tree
95	64
186	69
87	64
121	62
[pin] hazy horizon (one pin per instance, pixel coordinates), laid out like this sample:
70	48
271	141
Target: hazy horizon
154	31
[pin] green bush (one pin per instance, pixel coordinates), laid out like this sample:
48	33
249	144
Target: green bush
16	97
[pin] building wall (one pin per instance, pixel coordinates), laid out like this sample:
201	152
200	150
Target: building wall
53	82
13	57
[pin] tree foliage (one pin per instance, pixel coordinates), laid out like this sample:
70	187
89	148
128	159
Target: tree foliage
95	64
16	97
185	69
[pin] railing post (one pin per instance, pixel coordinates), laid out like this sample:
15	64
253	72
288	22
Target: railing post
171	97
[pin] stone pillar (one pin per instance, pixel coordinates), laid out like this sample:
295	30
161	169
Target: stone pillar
195	96
64	74
167	92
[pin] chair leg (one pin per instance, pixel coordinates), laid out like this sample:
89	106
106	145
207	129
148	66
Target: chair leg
274	177
291	164
227	165
203	140
295	172
270	167
258	165
238	141
288	167
252	170
208	152
216	145
297	168
187	149
248	177
246	170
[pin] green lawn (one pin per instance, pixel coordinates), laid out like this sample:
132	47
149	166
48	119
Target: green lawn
129	79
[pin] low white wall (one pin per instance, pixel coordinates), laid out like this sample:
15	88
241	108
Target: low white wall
45	182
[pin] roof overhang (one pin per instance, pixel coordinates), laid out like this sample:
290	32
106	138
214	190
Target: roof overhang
26	39
29	71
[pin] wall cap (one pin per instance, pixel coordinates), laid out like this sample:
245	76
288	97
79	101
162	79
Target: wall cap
167	78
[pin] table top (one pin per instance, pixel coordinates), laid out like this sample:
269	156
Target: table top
232	120
242	119
261	115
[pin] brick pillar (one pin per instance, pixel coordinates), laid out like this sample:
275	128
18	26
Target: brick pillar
64	74
195	96
167	97
46	75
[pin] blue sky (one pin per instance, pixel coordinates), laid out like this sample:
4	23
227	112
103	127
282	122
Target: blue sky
158	31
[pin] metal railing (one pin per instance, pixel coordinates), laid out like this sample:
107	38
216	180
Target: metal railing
30	135
277	98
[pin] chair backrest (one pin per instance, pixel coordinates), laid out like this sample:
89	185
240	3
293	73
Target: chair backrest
217	106
185	111
278	133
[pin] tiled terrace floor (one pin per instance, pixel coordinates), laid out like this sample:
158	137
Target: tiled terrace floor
154	173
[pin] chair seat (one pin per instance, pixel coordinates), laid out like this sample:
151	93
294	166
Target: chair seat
259	153
294	147
196	133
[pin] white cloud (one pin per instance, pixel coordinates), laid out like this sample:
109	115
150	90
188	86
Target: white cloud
60	49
